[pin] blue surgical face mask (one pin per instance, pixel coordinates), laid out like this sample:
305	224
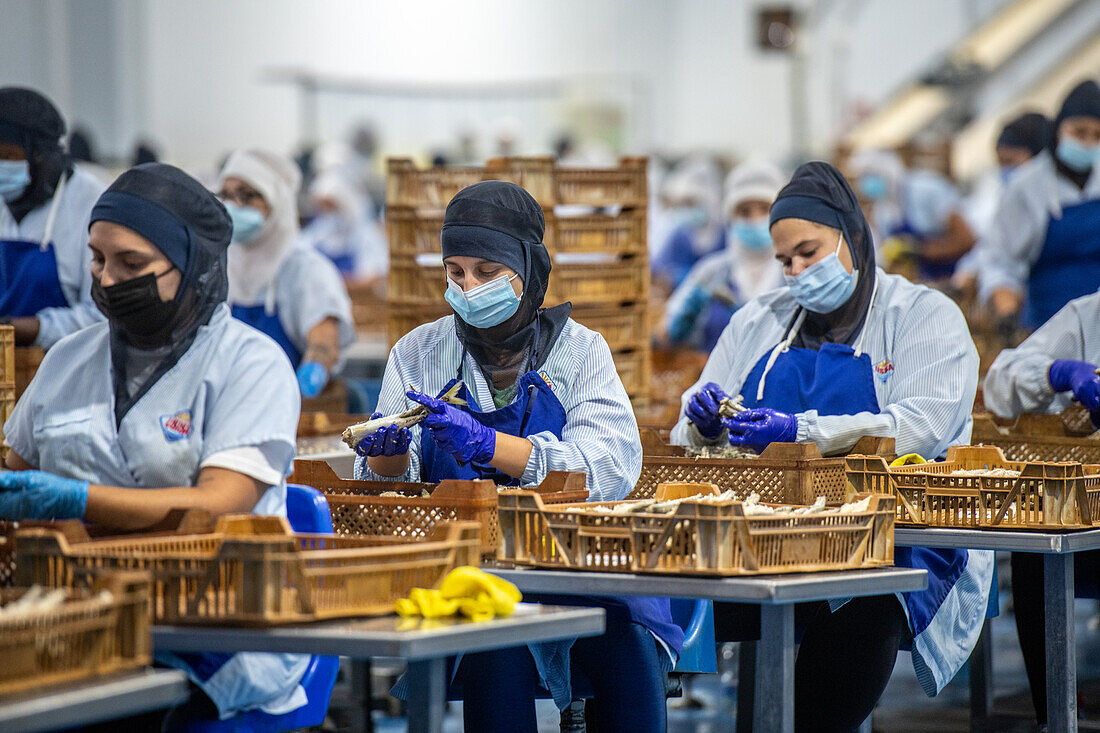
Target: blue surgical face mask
873	186
15	176
489	304
753	234
247	222
1076	154
825	285
690	216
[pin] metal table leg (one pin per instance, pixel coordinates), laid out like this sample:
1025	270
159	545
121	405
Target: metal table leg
1061	663
427	695
773	708
746	685
981	681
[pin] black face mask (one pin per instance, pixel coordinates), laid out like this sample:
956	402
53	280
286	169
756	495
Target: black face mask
135	307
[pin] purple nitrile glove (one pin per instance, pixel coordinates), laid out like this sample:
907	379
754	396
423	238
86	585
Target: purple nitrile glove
1080	377
456	431
761	426
389	441
702	410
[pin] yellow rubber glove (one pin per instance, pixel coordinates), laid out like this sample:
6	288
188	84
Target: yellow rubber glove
909	459
469	582
477	595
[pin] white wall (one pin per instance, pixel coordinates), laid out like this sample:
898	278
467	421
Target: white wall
191	74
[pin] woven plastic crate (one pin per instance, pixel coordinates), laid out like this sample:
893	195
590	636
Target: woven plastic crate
1035	438
404	317
623	233
791	473
697	539
603	283
358	508
633	368
83	637
254	571
415	283
8	360
1045	496
623	326
368	305
624	185
408	186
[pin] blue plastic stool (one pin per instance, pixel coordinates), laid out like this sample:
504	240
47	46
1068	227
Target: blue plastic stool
699	653
307	511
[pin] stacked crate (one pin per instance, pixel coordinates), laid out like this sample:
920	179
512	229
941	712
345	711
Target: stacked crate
595	233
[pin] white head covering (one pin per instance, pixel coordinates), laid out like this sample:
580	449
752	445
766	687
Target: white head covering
695	178
253	265
885	163
335	187
754	180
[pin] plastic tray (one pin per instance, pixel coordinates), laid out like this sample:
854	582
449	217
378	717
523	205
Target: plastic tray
81	638
1035	438
784	473
697	539
253	570
1046	496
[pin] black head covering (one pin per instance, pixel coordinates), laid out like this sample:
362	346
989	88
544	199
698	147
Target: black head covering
817	192
502	222
1029	131
29	120
81	147
1083	101
170	198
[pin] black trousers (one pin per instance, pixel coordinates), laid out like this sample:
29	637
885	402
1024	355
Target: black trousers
844	661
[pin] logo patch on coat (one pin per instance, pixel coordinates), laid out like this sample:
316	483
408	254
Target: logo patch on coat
546	378
884	369
176	427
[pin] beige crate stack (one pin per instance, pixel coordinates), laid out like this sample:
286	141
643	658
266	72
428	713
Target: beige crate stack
600	259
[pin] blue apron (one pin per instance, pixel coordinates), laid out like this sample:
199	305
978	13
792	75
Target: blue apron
834	381
538	410
940	270
258	317
345	263
1068	265
28	270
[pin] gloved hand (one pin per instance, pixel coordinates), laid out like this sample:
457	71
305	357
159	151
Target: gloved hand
684	321
702	410
1079	377
761	426
41	495
456	431
312	378
389	441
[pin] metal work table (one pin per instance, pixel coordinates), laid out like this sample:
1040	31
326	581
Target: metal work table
1057	549
92	701
776	595
424	644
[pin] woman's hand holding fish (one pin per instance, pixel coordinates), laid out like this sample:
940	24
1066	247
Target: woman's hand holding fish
391	440
456	431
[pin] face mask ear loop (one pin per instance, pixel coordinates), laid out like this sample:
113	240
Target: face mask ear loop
780	348
51	217
863	332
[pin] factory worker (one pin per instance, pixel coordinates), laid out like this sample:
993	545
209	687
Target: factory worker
690	201
720	283
846	351
913	214
292	293
45	287
1055	366
168	404
344	229
1044	249
1021	140
543	396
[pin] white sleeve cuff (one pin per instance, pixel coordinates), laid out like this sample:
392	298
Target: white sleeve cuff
250	460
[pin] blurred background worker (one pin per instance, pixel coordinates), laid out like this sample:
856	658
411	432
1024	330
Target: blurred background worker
720	283
1021	140
45	285
343	228
690	202
915	214
1044	249
291	293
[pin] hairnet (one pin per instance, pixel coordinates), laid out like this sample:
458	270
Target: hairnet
885	163
752	181
502	222
1029	131
818	192
32	122
253	265
695	178
203	285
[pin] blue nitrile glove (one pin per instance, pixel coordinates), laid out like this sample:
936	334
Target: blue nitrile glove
761	426
1079	377
456	431
41	495
312	378
684	321
389	441
702	410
